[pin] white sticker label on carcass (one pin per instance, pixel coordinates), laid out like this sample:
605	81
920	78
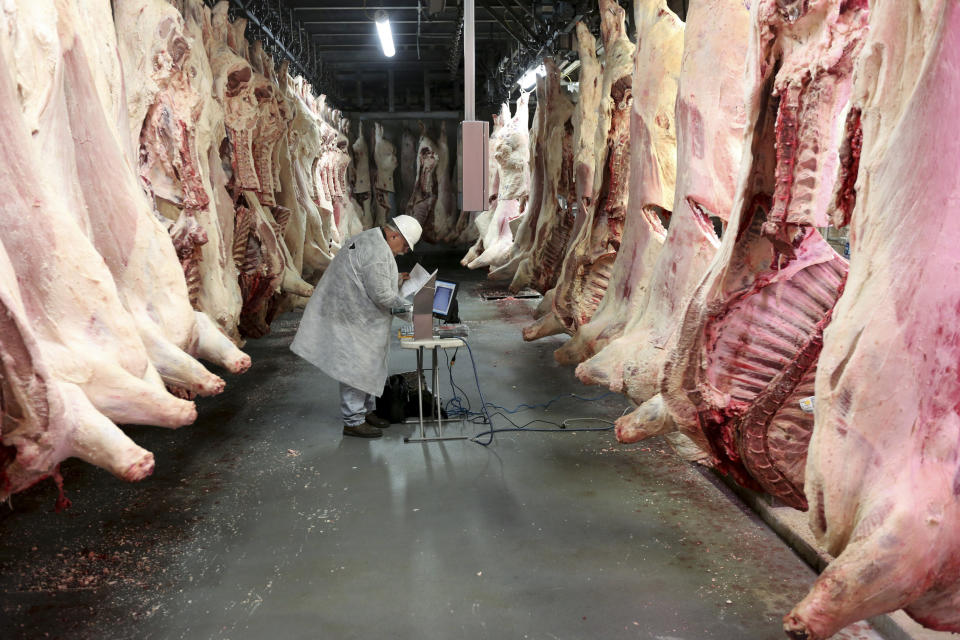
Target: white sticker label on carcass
807	404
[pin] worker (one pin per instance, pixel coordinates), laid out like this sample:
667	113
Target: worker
345	330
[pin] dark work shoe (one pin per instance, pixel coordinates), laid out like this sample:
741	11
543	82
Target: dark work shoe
377	421
362	430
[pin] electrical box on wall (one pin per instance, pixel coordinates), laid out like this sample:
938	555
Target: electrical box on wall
474	147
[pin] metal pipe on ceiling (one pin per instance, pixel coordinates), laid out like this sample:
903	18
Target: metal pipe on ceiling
518	19
503	25
527	11
355	36
405	115
354	8
392	22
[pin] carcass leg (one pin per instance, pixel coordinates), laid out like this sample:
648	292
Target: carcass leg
100	442
213	346
605	369
873	575
93	438
648	420
178	369
547	325
126	399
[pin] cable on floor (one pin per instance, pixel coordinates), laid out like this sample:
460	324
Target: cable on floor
456	408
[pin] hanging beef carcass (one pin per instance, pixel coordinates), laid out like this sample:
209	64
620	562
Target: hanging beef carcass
361	184
97	173
60	346
45	419
540	266
747	347
710	122
302	251
423	200
84	334
482	219
588	120
445	224
334	162
601	170
883	467
179	128
271	125
253	117
523	234
219	296
385	159
652	179
305	148
408	168
348	209
287	197
511	149
322	171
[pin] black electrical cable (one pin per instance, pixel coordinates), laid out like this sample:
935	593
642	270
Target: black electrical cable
484	417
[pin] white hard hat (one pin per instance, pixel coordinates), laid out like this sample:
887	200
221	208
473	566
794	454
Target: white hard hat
409	228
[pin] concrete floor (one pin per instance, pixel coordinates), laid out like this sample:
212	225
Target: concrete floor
261	521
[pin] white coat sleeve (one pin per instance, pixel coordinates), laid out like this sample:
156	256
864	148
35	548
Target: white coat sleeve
380	283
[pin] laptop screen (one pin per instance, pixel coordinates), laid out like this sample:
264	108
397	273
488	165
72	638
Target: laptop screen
443	297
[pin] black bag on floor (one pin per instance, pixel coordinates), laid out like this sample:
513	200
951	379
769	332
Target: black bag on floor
399	399
392	403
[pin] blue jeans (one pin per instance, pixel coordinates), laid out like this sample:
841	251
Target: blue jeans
355	405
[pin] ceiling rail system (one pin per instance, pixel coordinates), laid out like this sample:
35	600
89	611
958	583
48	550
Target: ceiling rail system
283	35
333	45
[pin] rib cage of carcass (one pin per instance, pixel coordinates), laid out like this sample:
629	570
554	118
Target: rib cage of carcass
882	468
510	148
710	124
256	118
747	347
543	236
652	179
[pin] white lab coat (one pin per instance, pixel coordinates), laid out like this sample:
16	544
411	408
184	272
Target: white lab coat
345	330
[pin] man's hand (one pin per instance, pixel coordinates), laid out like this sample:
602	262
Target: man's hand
404	276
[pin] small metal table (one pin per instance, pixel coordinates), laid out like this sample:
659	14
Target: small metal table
434	344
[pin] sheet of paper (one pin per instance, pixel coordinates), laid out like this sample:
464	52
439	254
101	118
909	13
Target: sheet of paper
418	277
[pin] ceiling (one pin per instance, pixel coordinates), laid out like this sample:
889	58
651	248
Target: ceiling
336	44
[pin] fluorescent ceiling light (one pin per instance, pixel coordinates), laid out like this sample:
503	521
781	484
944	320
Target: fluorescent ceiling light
386	36
529	79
